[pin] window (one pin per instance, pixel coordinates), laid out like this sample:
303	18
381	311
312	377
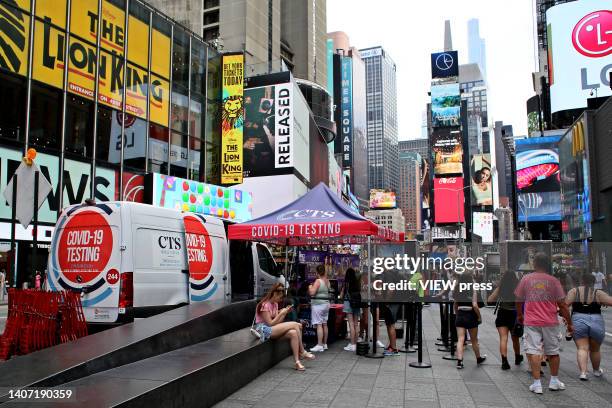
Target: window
179	112
79	126
45	118
158	149
12	106
211	17
135	143
108	148
196	160
198	67
211	3
266	263
180	60
178	155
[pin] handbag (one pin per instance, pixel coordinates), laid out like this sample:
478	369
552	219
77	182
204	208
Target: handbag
517	330
254	332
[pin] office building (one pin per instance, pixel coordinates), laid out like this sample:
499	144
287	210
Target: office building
381	103
476	46
392	218
409	194
474	92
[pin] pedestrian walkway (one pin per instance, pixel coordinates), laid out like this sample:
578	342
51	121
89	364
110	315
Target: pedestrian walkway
341	379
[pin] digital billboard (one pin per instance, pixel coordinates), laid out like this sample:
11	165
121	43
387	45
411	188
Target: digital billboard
232	118
445	105
537	179
346	111
273	130
481	183
446	144
444	64
187	195
579	53
381	199
482	225
448	200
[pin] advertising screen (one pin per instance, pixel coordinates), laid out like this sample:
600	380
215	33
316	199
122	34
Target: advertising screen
482	225
447	148
444	65
187	195
445	105
579	53
382	199
448	200
481	183
232	119
268	130
537	179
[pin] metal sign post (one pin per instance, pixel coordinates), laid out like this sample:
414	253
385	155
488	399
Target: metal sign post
13	222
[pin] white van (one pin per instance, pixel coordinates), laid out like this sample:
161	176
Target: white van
129	259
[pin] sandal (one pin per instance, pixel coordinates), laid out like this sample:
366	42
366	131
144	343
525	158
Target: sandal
299	366
308	356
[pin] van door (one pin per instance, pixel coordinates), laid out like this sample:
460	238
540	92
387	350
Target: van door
86	257
266	270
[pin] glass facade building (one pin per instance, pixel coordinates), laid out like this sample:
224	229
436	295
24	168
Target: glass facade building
104	101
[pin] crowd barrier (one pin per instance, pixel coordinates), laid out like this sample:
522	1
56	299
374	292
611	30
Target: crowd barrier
39	319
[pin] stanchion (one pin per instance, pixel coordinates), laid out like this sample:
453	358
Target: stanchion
447	336
408	329
443	340
374	353
419	363
451	329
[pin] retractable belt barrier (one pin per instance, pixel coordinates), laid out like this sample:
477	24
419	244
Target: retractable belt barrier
39	319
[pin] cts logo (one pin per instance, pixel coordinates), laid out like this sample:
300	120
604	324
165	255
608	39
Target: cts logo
592	36
306	214
445	61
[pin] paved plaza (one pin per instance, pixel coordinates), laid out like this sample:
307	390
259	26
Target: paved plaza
341	379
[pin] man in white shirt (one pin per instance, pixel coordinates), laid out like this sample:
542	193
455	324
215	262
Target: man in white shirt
600	280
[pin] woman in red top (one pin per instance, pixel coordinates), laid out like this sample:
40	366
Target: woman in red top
270	323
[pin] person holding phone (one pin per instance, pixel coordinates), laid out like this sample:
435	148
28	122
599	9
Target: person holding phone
270	324
319	306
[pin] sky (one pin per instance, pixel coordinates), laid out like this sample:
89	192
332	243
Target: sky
410	30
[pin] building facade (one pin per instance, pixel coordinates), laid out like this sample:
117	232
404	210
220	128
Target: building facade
150	104
474	91
381	103
393	218
409	194
477	52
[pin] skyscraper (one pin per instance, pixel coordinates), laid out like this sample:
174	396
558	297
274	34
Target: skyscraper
474	91
476	46
381	105
409	194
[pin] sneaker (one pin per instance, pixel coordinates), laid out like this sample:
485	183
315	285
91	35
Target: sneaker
482	359
317	349
556	385
536	388
583	377
380	344
391	352
598	373
325	347
518	359
349	347
459	364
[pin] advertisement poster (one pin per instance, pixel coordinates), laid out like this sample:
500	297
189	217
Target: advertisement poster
381	199
447	149
14	37
482	225
346	115
445	105
201	198
425	183
448	200
537	178
444	65
579	53
481	183
232	119
49	60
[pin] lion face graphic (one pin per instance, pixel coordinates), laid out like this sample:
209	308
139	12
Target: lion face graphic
232	111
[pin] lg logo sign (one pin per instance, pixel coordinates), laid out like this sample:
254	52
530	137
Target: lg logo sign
592	36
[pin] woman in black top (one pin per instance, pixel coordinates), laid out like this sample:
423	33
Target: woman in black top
589	327
468	317
506	317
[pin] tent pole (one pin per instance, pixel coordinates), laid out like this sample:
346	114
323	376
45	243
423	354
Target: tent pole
286	263
373	319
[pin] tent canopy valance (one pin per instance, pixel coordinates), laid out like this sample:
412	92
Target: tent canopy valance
318	217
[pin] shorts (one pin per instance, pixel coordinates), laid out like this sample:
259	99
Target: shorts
542	340
389	313
319	313
505	318
264	331
589	325
346	308
467	319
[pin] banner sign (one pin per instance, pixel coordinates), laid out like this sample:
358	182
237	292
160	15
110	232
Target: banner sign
232	119
346	115
283	126
201	198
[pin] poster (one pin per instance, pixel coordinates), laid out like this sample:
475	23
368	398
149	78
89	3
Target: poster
446	144
481	180
232	119
445	105
14	39
382	199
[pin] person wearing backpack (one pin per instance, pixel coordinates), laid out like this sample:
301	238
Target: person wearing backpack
351	294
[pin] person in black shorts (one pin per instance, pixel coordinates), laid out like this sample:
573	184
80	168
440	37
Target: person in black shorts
468	317
505	321
389	313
